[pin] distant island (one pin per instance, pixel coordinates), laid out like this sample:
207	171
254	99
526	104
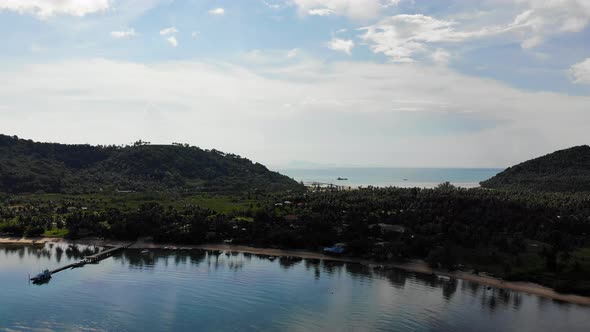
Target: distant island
530	222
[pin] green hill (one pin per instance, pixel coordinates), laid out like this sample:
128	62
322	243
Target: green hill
561	171
27	166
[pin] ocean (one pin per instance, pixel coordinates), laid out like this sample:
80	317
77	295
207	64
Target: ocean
398	177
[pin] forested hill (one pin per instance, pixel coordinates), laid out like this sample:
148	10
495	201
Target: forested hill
561	171
27	166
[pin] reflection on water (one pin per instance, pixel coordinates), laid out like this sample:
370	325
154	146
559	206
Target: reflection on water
49	250
178	289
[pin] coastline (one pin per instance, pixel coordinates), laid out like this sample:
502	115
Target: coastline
417	266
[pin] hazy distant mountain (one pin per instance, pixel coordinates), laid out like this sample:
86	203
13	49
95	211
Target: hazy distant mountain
27	166
560	171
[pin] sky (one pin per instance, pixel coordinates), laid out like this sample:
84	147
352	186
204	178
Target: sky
404	83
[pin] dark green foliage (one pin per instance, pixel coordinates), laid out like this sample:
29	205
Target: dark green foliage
442	257
562	171
27	167
521	235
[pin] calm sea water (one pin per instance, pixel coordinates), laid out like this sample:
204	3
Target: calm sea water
399	177
199	290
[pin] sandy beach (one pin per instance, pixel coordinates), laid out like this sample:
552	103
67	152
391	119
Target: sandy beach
417	266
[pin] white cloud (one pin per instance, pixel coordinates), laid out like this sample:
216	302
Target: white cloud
341	45
391	3
272	58
217	11
542	19
293	53
320	12
441	56
531	22
128	33
387	114
274	4
172	41
195	34
580	72
355	9
402	36
47	8
168	31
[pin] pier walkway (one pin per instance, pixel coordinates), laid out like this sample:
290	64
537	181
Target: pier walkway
92	258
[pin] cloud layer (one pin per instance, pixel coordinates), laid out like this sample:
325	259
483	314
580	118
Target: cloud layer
47	8
402	37
363	113
355	9
542	19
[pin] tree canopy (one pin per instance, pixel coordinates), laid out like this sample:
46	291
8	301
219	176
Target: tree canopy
561	171
28	166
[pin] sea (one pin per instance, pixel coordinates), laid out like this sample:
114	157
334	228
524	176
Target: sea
387	176
198	290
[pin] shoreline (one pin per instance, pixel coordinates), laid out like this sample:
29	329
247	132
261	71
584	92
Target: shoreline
417	266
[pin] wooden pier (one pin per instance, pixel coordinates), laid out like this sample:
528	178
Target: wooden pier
92	258
325	186
106	253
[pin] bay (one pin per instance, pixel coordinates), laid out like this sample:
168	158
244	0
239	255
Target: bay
210	291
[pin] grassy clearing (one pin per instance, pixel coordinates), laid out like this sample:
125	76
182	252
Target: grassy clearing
248	219
130	201
56	233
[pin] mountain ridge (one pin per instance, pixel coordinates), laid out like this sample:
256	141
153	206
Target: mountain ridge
566	170
27	166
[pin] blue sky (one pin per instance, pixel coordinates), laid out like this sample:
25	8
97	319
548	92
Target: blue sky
355	82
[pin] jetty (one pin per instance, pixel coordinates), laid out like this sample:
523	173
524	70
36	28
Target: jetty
105	253
92	258
315	185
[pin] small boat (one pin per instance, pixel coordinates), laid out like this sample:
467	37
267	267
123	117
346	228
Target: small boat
272	258
41	277
405	179
145	251
342	179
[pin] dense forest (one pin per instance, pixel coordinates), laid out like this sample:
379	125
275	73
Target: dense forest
561	171
28	167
